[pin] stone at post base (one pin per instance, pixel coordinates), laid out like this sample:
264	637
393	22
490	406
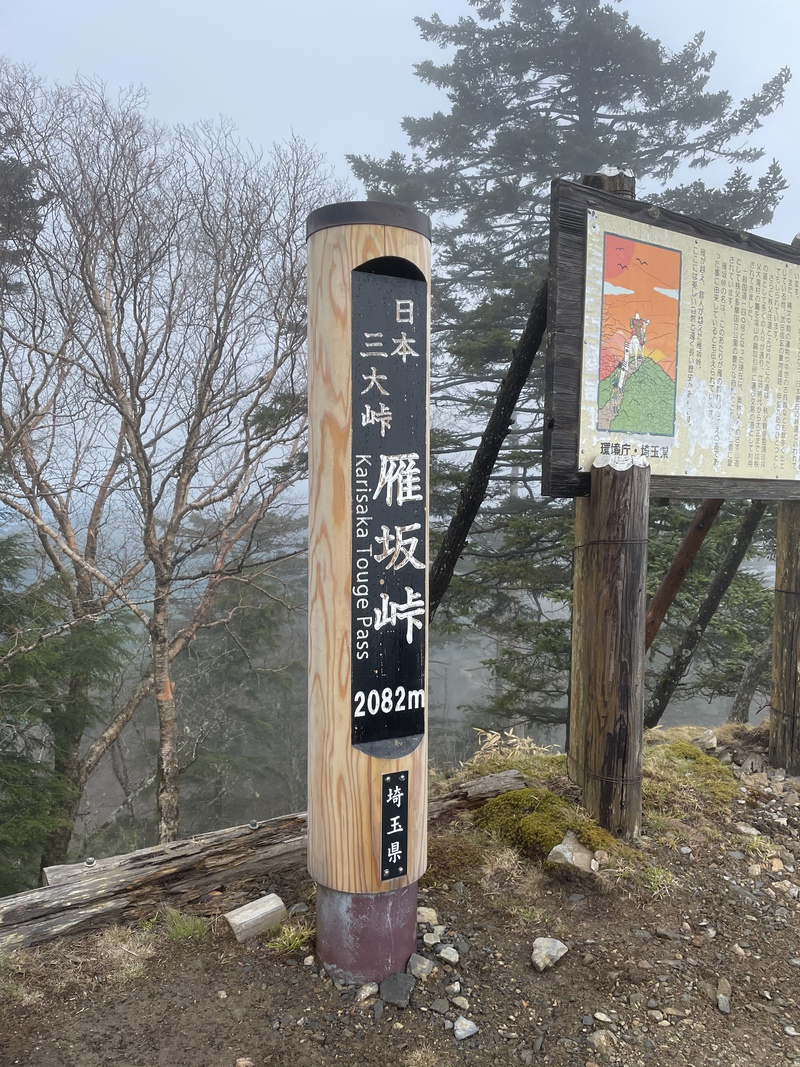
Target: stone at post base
365	937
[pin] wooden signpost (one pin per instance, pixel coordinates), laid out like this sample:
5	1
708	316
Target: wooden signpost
368	297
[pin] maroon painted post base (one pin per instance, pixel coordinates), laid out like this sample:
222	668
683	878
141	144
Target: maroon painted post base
364	937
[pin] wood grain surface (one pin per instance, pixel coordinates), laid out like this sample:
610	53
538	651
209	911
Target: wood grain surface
344	809
784	720
608	631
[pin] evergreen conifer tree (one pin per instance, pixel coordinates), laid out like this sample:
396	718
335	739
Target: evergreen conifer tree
538	90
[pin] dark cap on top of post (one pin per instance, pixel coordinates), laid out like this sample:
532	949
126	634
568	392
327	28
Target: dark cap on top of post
369	213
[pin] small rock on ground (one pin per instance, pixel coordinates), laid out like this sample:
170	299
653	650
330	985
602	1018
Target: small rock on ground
547	951
464	1028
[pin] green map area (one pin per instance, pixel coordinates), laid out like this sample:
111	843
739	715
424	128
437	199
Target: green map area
646	403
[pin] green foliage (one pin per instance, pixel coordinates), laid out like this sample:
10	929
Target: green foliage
744	618
20	218
243	684
31	797
184	928
539	89
51	673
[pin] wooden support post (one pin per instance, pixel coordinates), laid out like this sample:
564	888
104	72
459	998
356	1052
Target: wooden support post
784	722
608	628
368	297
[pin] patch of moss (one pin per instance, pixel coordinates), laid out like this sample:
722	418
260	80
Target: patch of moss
535	820
686	750
680	779
594	837
453	856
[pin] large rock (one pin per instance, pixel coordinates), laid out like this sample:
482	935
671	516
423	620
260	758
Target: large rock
464	1028
427	915
573	856
419	966
603	1041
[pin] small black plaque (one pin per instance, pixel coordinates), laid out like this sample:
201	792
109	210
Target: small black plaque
394	825
389	492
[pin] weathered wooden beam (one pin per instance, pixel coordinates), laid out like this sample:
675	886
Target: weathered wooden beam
136	885
609	603
133	886
784	720
684	558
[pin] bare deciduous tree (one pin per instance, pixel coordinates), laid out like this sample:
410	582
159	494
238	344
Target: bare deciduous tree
151	370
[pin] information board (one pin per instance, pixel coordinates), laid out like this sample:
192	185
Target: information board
675	341
389	492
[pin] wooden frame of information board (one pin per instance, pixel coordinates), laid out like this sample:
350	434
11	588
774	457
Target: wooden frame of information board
673	340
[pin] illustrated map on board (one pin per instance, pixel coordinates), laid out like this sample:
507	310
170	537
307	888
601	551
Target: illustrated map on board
639	339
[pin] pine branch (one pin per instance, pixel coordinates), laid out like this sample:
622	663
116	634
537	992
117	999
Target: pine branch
483	462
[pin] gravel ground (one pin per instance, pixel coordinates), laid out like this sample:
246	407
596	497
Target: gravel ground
704	973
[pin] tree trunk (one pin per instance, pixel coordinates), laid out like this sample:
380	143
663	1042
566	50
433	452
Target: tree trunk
168	774
684	558
68	724
748	685
682	656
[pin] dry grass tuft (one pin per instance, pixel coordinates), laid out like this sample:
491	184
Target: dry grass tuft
14	984
122	952
425	1056
116	954
293	936
454	855
501	870
500	751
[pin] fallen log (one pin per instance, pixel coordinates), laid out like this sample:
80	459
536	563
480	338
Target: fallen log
82	896
135	886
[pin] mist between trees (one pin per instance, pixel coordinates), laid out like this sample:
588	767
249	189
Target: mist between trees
152	426
152	420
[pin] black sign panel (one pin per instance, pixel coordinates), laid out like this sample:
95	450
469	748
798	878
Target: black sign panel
389	485
394	825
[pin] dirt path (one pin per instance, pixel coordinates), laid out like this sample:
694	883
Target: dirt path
704	973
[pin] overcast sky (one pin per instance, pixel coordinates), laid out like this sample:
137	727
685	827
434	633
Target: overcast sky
340	73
